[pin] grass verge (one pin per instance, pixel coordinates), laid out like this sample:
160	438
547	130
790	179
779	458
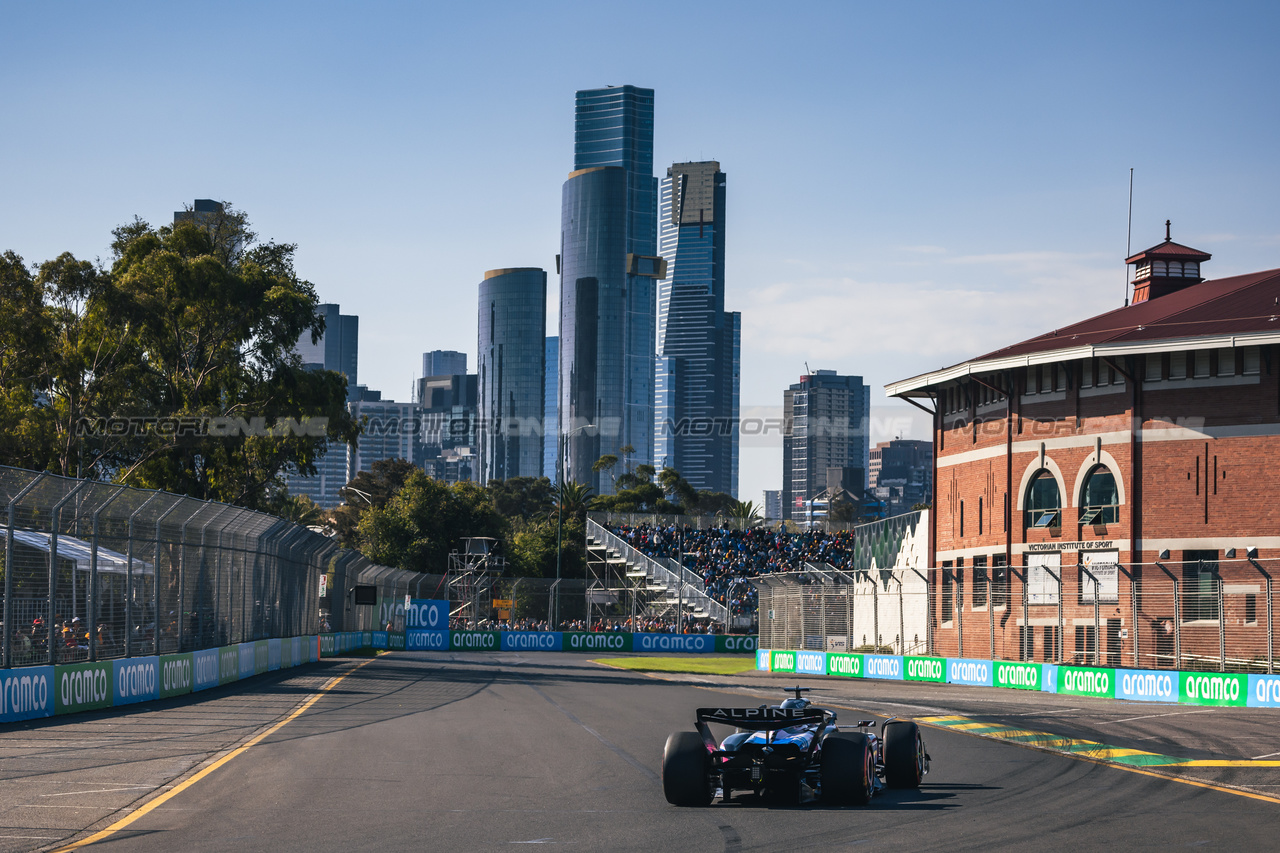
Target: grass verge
706	666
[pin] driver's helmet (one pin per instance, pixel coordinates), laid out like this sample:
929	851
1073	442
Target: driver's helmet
795	703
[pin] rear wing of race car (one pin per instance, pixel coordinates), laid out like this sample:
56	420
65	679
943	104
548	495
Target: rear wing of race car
762	719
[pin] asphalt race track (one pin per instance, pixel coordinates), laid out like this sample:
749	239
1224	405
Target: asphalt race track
458	751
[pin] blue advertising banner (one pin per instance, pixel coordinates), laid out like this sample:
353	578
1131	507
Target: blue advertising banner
701	643
882	666
426	614
978	673
1049	677
424	641
532	641
205	664
1146	686
135	680
27	693
813	663
762	659
1264	691
380	639
273	654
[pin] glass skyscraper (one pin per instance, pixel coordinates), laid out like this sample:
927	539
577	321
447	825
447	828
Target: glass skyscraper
698	342
826	417
511	372
338	349
608	268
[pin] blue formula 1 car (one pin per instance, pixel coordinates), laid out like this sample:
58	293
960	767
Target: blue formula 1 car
792	752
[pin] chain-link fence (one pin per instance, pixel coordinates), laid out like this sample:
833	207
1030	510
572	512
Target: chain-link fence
1196	615
94	570
822	609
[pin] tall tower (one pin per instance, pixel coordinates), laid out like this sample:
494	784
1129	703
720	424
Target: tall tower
337	349
511	372
698	342
608	268
826	419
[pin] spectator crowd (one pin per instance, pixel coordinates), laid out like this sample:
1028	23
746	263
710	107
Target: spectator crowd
725	558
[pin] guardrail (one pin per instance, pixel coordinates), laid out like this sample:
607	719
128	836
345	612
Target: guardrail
1253	690
43	691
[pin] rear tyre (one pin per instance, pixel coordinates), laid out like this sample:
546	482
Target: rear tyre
848	769
685	762
903	755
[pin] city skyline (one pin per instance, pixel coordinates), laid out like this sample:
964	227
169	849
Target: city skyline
906	181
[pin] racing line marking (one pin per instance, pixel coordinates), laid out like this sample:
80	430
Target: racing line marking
187	783
1131	760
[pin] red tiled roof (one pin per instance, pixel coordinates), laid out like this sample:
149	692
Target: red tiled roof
1169	249
1239	305
1225	306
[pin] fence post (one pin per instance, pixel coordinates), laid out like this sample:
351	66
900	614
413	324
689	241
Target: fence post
155	581
1270	631
55	521
8	570
1026	640
902	617
92	605
991	612
1222	626
1177	628
1133	600
875	615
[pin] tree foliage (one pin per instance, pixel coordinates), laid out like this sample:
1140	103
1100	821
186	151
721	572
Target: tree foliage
118	374
423	521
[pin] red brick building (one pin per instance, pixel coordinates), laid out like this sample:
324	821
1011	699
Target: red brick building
1107	492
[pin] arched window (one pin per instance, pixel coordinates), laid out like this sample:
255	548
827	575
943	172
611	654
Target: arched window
1100	503
1044	502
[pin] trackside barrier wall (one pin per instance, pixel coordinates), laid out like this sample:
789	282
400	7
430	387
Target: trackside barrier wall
419	641
32	692
1188	688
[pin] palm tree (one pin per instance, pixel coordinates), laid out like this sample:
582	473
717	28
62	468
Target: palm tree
746	512
573	499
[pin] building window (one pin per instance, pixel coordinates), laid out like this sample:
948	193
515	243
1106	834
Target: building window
1026	642
1086	645
962	518
1178	365
1202	364
1252	361
1199	586
979	516
980	581
999	581
1155	368
1086	373
948	591
1250	609
1226	361
1052	647
1100	502
1044	502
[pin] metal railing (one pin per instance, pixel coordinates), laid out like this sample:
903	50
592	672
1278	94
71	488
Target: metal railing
688	585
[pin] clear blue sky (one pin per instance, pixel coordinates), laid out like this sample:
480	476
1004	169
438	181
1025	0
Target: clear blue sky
909	184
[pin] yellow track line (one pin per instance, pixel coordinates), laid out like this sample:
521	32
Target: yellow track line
1118	766
187	783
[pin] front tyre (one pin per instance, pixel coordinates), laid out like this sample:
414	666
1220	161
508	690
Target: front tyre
685	764
904	757
848	769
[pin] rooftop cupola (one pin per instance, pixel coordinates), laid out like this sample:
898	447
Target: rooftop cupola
1165	268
